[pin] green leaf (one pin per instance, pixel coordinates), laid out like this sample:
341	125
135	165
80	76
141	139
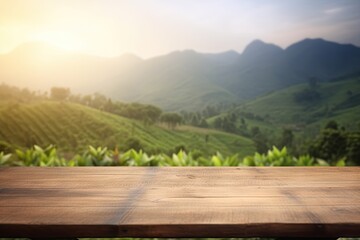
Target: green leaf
216	161
341	162
20	154
4	159
92	151
37	148
322	162
248	161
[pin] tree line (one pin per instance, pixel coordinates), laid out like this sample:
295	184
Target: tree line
146	113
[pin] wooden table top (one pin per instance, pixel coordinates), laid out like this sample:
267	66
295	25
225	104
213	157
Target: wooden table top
180	202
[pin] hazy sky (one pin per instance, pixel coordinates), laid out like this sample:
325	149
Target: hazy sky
153	27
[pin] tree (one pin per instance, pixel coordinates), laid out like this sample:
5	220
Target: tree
59	93
171	119
195	120
87	100
99	101
203	123
218	123
109	106
133	143
209	111
261	141
287	138
228	125
255	131
353	147
330	145
207	136
151	114
242	120
307	95
332	125
243	127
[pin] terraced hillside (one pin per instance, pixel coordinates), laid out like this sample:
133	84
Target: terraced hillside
73	127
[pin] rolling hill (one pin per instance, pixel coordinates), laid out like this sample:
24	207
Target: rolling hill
337	100
182	80
282	118
72	127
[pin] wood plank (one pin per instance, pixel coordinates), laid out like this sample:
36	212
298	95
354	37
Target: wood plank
180	202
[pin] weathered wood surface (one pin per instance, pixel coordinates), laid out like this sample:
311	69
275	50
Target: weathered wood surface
180	202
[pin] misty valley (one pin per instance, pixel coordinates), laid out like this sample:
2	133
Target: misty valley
300	104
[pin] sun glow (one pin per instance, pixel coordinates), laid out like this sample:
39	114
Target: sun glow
150	28
62	40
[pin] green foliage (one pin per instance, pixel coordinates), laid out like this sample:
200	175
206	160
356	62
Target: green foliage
134	158
307	160
307	96
59	93
218	160
38	156
287	138
332	125
94	157
14	94
281	157
274	157
171	119
181	159
353	147
100	156
179	148
5	147
133	143
4	159
341	162
226	123
333	144
148	114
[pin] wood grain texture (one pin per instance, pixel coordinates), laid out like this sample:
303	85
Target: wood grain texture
180	202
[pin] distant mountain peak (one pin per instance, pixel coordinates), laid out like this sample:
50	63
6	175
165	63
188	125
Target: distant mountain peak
257	42
258	48
190	51
130	56
184	54
313	40
311	44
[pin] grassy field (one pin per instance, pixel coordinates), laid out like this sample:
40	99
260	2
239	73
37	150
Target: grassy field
73	127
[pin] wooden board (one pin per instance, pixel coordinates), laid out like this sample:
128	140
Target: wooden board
180	202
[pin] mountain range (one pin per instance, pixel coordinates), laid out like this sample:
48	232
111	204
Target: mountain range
181	80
